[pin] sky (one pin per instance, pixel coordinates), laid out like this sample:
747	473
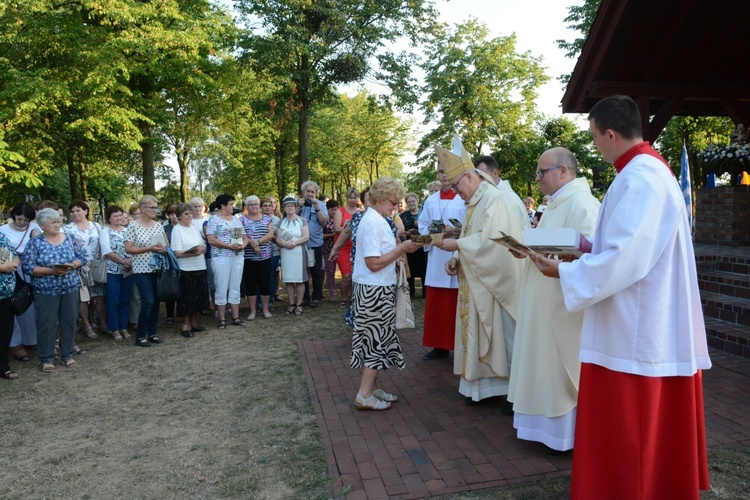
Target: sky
537	25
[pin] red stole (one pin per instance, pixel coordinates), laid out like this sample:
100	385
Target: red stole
643	148
447	196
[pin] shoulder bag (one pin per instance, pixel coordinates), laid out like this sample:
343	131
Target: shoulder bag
23	295
168	278
404	311
83	275
98	266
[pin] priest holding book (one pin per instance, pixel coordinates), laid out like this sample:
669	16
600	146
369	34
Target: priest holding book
545	370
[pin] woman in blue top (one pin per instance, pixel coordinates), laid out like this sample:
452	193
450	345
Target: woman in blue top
9	262
51	259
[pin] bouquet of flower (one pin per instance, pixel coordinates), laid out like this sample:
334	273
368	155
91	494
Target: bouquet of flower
725	157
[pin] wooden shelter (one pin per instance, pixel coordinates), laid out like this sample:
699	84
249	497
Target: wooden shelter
674	57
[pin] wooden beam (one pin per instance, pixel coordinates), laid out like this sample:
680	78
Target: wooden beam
662	117
662	90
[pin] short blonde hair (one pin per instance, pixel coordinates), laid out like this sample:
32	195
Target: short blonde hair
411	195
384	188
147	199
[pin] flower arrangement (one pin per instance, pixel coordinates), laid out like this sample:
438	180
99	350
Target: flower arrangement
725	157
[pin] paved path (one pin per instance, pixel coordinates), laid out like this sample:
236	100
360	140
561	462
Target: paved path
432	443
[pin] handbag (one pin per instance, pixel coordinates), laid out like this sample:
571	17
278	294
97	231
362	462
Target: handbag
168	278
310	257
83	275
98	266
23	296
404	311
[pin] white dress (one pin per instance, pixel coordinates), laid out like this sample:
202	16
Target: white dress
293	260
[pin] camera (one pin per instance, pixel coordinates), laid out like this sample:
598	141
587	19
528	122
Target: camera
308	202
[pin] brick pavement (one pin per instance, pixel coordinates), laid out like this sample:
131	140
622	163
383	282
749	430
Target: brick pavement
432	443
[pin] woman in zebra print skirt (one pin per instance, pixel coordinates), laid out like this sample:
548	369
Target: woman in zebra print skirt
375	345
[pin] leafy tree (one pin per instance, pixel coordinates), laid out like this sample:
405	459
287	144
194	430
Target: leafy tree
581	18
477	87
318	45
354	141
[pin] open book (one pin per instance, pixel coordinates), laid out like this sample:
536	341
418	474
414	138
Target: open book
512	243
555	241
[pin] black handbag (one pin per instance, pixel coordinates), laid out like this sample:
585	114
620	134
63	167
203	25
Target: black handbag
168	279
23	296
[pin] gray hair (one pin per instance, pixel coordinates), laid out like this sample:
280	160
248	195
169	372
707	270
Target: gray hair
46	215
196	199
308	184
252	197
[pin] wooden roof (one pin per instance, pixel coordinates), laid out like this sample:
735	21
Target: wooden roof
674	57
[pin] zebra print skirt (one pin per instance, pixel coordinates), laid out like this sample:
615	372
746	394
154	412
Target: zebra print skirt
375	342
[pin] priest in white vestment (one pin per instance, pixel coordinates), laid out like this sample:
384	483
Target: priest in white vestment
489	278
544	375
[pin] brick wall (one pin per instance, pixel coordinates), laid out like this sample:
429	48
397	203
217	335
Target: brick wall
722	216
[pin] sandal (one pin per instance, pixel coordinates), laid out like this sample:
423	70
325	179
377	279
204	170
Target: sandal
142	343
90	333
170	321
187	333
251	317
342	304
70	363
199	329
48	368
267	315
298	310
291	309
19	353
10	375
222	325
155	340
125	334
116	334
384	396
377	404
78	350
237	322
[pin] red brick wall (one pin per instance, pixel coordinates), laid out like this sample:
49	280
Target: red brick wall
722	216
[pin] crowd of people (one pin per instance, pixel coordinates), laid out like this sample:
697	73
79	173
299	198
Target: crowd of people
578	347
224	253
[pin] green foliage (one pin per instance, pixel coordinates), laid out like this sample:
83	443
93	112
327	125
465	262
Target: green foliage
317	45
698	132
581	18
479	88
517	154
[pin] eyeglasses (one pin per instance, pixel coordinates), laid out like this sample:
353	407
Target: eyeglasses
152	208
540	172
454	186
394	203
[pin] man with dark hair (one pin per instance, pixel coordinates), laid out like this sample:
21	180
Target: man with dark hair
488	165
640	430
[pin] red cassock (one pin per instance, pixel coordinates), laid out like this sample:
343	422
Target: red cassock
639	432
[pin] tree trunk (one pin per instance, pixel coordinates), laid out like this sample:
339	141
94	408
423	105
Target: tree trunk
183	161
303	134
84	184
72	177
147	159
